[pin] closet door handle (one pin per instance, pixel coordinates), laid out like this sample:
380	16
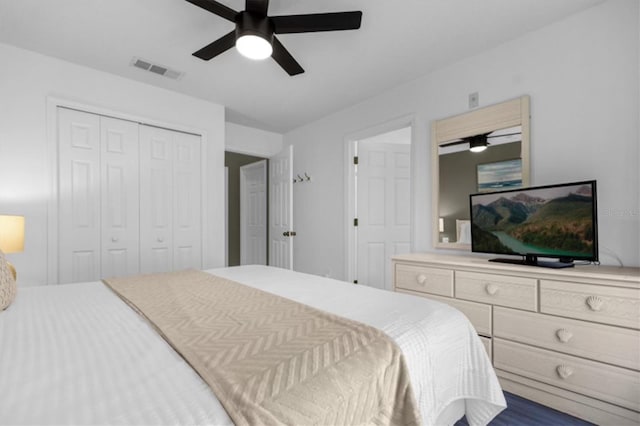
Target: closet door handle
115	239
160	239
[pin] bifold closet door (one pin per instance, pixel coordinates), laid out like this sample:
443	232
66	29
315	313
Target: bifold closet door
120	197
170	200
97	196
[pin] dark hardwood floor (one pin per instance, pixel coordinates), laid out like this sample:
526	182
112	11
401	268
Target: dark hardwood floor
522	412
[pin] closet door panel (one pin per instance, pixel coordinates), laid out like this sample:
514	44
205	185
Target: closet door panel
156	199
78	196
120	197
187	227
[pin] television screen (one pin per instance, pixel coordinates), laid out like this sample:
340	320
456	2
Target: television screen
557	221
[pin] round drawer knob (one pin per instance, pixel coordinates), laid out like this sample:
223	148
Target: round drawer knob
595	303
114	239
421	279
564	335
160	239
564	371
491	289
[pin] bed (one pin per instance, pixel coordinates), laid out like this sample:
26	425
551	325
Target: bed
77	354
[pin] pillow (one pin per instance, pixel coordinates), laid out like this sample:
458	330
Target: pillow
7	284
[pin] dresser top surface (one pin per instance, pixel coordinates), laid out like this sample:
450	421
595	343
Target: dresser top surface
624	276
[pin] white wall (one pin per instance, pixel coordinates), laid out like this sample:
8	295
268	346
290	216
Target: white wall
582	76
251	141
27	80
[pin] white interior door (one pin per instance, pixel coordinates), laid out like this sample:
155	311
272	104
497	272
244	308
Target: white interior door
253	213
170	200
79	248
187	208
120	197
383	210
156	200
281	209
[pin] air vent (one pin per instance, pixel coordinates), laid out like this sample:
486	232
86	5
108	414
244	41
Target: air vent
156	68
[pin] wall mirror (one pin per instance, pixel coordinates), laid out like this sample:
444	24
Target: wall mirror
482	150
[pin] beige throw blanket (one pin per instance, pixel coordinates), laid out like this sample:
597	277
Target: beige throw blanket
270	360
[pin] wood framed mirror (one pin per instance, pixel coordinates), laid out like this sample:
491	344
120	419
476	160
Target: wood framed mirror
503	129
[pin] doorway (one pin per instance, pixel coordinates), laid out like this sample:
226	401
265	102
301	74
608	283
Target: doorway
380	204
252	171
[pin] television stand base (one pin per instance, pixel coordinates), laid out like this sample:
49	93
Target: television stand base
533	261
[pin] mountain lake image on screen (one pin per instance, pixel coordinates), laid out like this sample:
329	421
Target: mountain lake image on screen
557	221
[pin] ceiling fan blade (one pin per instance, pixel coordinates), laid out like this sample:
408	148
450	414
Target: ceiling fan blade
222	44
458	142
282	56
316	22
504	134
217	8
258	7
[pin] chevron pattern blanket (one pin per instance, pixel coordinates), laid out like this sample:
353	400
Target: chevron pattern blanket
270	360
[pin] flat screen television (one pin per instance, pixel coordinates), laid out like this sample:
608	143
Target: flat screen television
553	221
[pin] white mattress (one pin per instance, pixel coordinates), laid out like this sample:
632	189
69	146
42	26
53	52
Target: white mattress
76	354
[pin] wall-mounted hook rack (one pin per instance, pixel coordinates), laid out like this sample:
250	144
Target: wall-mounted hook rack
299	178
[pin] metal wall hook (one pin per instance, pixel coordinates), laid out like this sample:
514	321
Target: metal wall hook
307	176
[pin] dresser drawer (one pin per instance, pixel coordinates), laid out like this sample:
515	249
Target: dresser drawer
601	381
608	305
478	314
613	345
503	290
425	280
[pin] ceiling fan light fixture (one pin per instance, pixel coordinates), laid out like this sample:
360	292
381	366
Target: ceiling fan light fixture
478	143
254	47
478	148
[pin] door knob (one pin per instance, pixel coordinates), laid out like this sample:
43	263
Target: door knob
160	239
289	234
114	239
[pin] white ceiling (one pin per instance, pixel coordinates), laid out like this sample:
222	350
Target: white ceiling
399	41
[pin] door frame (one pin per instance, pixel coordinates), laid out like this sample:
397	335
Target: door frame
53	103
262	164
350	182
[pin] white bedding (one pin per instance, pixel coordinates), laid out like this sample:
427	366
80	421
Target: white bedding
76	354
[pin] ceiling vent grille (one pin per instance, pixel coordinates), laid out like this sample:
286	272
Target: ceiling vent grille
156	68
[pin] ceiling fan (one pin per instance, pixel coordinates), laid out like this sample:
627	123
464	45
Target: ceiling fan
478	143
254	35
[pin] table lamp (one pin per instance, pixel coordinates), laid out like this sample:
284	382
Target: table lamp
11	236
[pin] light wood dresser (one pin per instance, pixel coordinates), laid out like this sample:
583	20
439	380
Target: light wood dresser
566	338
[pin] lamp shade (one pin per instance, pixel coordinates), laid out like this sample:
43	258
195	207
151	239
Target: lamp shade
11	233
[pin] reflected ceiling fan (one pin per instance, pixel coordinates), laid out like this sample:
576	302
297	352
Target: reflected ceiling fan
478	143
254	35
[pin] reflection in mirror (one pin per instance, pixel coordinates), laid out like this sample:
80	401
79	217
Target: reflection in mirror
479	151
460	173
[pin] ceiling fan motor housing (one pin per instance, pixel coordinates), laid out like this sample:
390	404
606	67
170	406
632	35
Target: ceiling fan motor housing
251	24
